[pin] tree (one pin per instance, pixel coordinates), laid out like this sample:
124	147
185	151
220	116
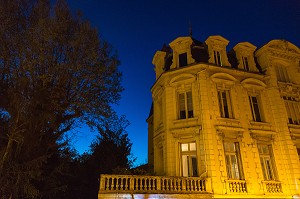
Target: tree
55	72
110	152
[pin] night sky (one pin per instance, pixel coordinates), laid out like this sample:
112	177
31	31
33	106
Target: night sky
138	28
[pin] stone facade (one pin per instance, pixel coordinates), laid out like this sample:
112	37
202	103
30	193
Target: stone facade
232	117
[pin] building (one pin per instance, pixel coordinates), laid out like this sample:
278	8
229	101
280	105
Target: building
224	124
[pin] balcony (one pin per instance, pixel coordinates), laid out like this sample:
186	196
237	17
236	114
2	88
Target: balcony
236	186
272	187
135	184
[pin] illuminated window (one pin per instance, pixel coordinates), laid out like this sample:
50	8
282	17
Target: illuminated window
281	73
185	105
183	59
293	110
233	160
225	104
218	58
266	161
246	64
189	159
255	108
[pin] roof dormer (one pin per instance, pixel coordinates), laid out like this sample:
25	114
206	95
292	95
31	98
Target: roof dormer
217	50
159	62
245	56
182	55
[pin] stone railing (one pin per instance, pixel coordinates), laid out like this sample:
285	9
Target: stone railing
152	184
236	186
272	187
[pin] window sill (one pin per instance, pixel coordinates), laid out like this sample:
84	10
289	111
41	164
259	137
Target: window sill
261	125
185	120
294	126
222	121
185	123
294	131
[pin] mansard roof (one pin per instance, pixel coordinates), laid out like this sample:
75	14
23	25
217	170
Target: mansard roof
199	50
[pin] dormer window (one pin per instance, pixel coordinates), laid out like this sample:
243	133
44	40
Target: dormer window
183	59
216	46
244	52
246	63
281	73
181	48
218	58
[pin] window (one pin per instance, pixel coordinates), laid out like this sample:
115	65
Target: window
189	159
225	104
185	105
246	64
254	104
183	59
217	57
266	161
282	74
233	160
293	110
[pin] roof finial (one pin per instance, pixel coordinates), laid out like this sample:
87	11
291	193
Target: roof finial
190	29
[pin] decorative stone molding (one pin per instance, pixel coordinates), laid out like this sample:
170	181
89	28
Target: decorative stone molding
223	79
253	84
192	132
182	80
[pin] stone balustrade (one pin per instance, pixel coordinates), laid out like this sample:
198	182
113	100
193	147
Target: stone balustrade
236	186
272	187
151	184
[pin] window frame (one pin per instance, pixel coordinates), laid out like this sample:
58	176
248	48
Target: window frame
218	57
256	116
222	106
293	110
189	160
182	59
185	105
282	74
267	162
234	172
246	63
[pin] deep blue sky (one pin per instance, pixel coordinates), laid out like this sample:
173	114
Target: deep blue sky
138	28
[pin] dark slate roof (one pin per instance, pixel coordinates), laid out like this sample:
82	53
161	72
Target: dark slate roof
232	59
199	52
151	110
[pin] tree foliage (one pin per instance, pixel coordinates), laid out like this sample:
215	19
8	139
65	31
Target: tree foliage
54	72
110	153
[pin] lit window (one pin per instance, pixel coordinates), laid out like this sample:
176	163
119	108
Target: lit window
233	160
266	161
293	110
245	63
183	59
225	104
254	104
185	105
282	74
189	160
217	58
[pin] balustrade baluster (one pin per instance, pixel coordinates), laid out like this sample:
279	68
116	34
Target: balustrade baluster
158	183
146	184
110	183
